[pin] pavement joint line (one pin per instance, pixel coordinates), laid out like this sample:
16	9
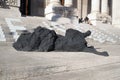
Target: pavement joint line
81	69
43	71
64	71
2	36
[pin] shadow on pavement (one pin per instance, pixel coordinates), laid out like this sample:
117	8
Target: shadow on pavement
91	49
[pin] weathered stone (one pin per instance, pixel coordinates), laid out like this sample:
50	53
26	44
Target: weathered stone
22	42
44	40
73	41
41	39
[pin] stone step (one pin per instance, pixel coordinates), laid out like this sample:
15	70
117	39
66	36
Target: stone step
98	34
7	33
56	27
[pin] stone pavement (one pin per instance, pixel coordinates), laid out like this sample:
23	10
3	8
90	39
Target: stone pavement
18	65
12	24
103	33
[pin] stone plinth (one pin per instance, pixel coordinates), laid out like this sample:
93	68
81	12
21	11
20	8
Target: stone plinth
68	10
68	3
95	11
116	13
54	10
104	7
93	17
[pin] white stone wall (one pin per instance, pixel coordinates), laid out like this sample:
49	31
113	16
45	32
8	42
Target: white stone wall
116	13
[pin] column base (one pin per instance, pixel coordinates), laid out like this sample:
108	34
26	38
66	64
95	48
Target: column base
52	16
68	12
105	18
53	11
116	25
93	18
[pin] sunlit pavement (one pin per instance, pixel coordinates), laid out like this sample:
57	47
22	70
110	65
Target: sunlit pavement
18	65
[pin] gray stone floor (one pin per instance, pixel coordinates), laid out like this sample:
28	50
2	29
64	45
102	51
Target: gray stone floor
18	65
